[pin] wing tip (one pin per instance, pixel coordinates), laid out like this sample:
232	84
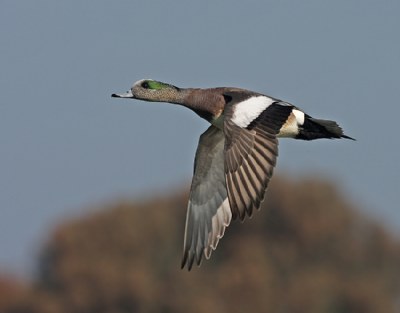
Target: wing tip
189	259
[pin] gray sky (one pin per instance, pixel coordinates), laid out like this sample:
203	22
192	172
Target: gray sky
66	145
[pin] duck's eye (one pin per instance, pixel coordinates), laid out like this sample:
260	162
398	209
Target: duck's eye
145	85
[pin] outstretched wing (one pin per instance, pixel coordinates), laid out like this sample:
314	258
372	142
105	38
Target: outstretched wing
208	212
251	149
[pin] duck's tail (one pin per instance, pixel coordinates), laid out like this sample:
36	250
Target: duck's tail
316	128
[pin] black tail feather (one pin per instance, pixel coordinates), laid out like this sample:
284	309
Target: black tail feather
316	128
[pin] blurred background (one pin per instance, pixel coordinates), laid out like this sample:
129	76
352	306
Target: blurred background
93	190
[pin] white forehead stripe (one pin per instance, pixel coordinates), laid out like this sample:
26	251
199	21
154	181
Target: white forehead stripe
248	110
299	116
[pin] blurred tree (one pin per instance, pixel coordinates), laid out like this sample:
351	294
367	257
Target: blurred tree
307	251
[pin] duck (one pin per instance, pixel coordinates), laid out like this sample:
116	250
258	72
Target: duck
236	155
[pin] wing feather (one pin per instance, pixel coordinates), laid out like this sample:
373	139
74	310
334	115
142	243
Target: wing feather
250	156
208	212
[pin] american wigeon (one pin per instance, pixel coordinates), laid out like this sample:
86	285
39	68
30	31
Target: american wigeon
236	155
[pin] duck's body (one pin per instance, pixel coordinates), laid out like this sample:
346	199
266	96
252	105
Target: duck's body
236	154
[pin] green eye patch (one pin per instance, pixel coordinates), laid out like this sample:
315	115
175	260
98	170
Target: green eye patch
156	85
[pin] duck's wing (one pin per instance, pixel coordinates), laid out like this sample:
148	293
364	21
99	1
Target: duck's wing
251	149
208	212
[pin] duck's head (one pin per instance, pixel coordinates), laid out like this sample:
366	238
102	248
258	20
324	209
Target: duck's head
151	90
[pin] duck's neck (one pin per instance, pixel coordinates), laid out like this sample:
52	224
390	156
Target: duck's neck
205	102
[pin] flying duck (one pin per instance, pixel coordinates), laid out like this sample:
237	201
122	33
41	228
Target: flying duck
236	155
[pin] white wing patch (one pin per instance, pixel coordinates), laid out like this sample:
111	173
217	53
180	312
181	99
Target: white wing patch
247	111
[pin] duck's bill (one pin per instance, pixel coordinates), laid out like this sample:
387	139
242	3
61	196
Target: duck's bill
122	95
